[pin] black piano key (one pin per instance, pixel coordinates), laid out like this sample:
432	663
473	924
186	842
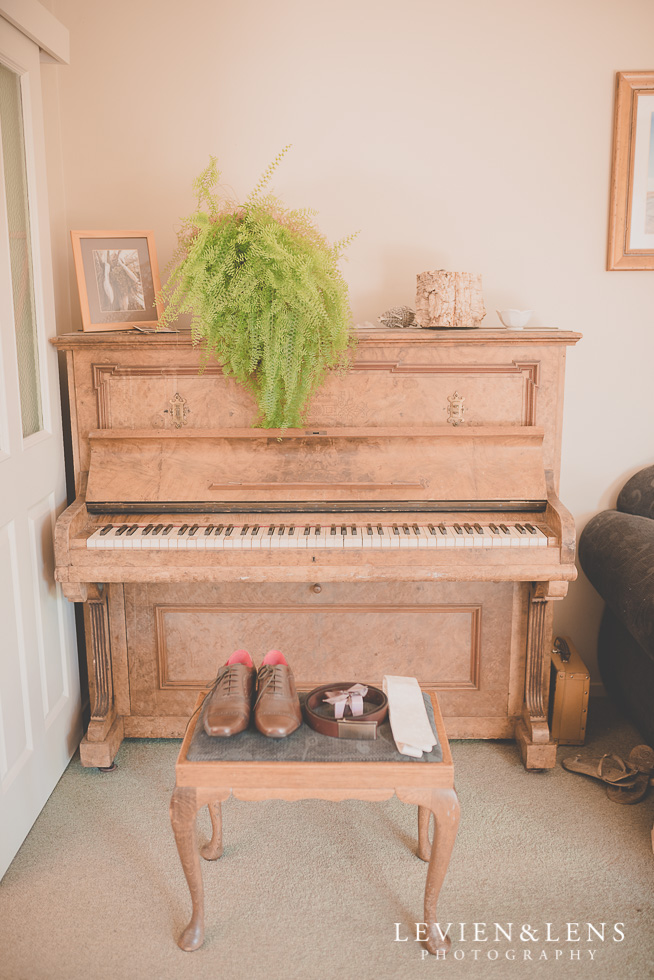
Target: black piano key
458	529
431	529
230	528
106	529
307	529
156	529
520	528
168	528
354	529
271	530
183	529
468	529
405	528
317	530
416	529
531	528
121	529
369	529
333	529
380	530
133	529
219	529
282	528
396	529
494	528
193	529
443	529
208	529
478	528
504	529
147	528
291	529
255	530
245	529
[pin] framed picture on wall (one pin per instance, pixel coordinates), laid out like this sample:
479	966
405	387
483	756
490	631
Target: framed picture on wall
117	278
631	221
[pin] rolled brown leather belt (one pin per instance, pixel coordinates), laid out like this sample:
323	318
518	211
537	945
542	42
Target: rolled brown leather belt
320	716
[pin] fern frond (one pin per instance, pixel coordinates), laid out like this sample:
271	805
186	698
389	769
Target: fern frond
266	176
265	295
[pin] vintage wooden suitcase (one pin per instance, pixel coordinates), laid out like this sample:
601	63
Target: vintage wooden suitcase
569	687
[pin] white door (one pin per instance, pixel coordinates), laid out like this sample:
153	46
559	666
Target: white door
40	722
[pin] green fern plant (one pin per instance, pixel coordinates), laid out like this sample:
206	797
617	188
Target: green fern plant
266	296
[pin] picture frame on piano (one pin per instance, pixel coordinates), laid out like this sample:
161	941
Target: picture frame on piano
117	279
631	217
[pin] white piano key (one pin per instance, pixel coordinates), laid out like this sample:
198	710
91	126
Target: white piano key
522	538
405	539
430	540
351	540
459	537
449	539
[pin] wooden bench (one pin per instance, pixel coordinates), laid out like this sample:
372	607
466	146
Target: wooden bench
209	770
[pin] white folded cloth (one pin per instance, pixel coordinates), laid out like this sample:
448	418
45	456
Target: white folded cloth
408	717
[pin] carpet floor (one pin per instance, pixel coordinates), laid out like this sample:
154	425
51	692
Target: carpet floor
313	890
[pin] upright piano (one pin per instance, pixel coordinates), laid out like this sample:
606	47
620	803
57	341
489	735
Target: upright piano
412	526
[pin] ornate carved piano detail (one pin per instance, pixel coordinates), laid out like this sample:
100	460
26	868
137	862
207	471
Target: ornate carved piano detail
411	527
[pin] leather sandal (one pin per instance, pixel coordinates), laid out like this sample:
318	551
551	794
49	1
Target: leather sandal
641	758
610	768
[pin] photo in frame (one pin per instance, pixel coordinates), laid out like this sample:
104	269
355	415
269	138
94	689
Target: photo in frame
117	279
631	220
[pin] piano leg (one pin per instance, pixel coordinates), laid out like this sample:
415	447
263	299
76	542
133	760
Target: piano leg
105	732
537	748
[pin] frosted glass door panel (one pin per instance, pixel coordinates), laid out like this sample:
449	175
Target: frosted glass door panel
20	249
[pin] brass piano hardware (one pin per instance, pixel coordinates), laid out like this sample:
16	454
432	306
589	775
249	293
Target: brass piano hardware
177	411
313	484
456	409
316	588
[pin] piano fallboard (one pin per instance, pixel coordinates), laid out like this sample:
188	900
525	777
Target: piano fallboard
424	464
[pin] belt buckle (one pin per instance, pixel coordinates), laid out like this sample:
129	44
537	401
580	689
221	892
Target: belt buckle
357	729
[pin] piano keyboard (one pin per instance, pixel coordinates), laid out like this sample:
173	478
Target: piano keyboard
338	535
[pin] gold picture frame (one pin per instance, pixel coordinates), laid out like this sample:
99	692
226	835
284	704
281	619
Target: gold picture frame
117	279
631	219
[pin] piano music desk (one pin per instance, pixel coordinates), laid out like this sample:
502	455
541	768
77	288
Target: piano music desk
429	785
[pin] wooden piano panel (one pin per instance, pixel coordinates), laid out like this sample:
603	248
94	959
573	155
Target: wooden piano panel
384	393
455	638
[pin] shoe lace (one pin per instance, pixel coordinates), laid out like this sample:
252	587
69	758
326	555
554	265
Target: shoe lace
270	676
226	680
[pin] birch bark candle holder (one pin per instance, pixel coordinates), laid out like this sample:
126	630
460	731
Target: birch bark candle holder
449	299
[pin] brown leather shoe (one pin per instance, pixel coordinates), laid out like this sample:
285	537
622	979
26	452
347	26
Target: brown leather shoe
277	710
227	706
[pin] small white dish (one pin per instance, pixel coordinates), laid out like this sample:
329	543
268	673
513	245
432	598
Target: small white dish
514	319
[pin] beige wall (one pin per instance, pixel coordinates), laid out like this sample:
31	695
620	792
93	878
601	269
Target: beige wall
465	134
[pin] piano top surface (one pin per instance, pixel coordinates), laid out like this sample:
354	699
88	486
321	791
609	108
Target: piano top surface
483	335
